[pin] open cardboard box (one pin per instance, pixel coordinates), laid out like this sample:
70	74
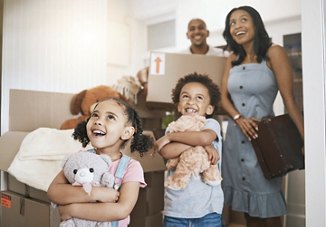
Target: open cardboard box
30	110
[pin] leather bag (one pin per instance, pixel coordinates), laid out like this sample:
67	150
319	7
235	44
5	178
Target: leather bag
278	147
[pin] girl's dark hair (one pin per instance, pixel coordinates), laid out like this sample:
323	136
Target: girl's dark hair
213	90
262	41
139	142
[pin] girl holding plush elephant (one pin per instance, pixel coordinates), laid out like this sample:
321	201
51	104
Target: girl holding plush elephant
111	125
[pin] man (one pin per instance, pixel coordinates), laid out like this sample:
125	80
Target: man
197	34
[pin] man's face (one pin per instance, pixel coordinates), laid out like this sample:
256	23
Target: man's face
197	32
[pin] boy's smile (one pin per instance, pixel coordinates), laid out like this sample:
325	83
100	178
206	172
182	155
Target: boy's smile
194	100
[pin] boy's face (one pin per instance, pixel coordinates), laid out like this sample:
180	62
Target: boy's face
195	100
197	32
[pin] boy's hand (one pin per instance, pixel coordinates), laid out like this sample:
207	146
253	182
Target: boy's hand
213	155
161	142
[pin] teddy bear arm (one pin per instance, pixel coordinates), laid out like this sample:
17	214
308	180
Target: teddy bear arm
172	163
212	176
192	162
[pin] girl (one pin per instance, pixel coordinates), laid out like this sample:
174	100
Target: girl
255	71
112	123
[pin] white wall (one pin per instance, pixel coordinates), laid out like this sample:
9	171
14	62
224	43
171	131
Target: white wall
64	46
314	71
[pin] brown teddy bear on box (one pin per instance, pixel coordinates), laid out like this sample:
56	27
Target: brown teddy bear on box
81	103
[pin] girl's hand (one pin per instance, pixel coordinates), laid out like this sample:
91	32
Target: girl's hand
213	155
65	212
249	127
104	194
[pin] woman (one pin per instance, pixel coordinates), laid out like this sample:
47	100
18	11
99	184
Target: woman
255	71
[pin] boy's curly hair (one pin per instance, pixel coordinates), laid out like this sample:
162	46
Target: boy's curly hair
213	89
139	141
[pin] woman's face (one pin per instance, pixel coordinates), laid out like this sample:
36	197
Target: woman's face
242	28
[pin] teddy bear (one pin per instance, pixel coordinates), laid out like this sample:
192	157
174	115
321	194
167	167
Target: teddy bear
82	102
87	169
193	161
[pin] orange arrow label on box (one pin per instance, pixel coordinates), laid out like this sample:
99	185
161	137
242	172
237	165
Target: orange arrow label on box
157	66
157	61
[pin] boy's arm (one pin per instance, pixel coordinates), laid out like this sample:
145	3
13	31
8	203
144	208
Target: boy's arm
105	211
173	144
198	138
62	192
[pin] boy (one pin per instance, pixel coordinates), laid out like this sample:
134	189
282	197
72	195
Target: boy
199	204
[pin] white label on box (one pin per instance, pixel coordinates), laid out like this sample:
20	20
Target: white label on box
157	66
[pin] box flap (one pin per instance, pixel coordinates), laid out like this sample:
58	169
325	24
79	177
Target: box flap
9	146
39	108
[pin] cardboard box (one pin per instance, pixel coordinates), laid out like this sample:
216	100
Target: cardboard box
166	68
23	189
48	109
18	210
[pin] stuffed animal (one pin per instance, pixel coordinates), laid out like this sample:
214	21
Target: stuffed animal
129	87
82	102
87	170
192	161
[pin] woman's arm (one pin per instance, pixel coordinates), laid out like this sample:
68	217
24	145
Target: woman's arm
282	69
62	192
105	211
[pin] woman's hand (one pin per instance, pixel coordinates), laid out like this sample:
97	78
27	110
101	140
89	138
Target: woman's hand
249	127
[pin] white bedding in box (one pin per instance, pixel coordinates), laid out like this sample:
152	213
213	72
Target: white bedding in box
41	156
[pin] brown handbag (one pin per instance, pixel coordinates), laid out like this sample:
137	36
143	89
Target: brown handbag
278	146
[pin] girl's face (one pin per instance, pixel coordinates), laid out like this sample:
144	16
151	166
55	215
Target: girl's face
242	28
107	127
194	100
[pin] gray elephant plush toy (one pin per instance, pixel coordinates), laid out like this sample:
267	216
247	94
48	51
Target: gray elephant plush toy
87	169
